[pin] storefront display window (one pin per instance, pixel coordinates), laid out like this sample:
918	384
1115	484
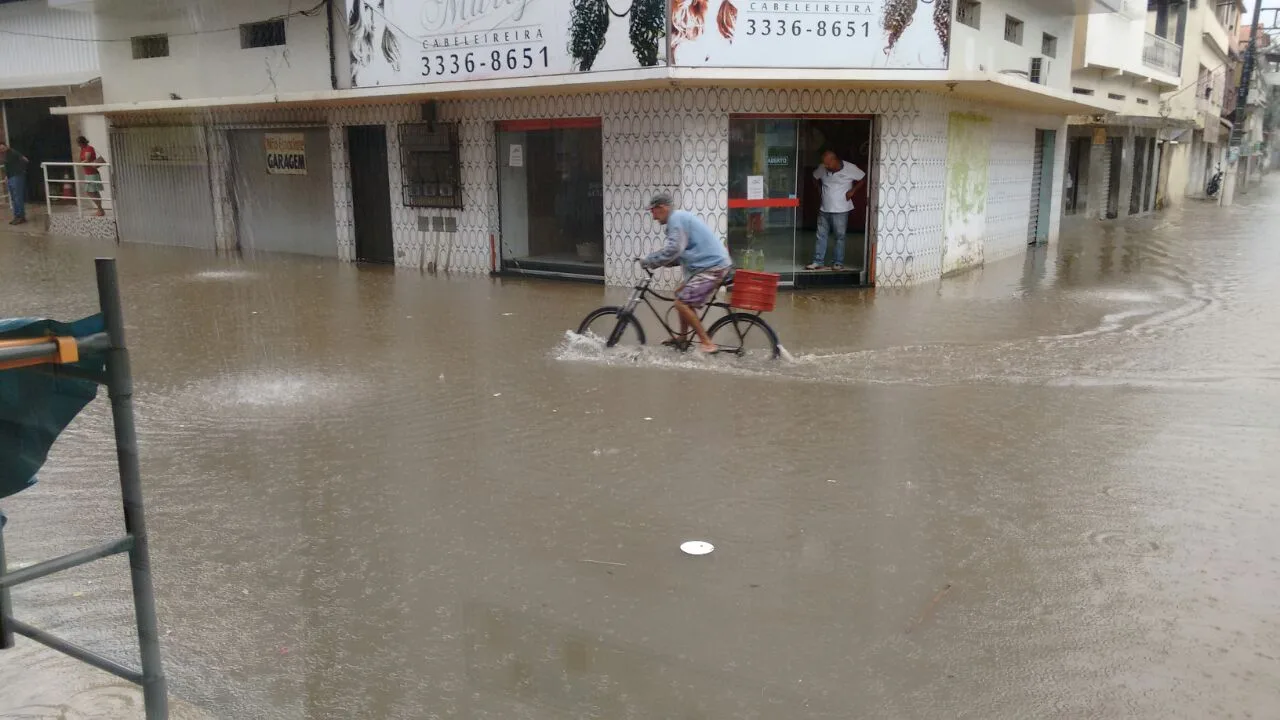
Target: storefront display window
774	200
551	196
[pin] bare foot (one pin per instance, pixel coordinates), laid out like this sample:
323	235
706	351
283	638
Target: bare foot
708	348
101	213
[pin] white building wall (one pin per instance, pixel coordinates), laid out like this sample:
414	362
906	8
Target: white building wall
205	58
677	141
43	41
985	48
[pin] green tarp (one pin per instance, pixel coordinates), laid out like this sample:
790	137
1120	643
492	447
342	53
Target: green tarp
36	406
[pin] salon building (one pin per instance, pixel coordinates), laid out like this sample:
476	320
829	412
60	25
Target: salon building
532	146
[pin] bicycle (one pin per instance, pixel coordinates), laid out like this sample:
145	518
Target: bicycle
737	333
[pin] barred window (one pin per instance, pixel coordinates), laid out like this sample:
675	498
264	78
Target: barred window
431	175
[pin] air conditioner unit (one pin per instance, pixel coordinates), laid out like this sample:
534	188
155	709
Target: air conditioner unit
1039	73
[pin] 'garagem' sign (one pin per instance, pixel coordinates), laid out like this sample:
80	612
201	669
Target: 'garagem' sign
286	153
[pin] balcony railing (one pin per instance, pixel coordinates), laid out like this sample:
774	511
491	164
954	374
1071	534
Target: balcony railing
1163	55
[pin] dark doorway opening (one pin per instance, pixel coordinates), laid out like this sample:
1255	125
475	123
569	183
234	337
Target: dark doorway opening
1136	194
371	193
1075	197
41	137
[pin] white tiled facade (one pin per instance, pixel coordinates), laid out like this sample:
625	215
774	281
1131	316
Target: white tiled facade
677	141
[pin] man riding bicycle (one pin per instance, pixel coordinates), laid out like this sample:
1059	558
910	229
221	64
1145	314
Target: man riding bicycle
703	256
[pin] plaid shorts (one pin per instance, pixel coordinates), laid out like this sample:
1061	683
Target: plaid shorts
699	289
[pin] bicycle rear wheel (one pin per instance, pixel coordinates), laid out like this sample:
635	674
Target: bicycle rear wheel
745	335
612	326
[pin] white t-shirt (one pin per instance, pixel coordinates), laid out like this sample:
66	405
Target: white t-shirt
836	184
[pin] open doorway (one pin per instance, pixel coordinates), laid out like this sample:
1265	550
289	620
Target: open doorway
775	200
40	136
371	193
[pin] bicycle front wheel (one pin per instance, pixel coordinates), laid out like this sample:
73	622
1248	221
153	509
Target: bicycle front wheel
613	326
745	335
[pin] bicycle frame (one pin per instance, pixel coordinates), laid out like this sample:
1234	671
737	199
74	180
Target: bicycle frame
644	289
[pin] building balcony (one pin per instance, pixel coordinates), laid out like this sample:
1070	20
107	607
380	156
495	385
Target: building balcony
1161	54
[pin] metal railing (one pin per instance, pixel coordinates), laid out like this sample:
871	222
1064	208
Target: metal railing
51	355
76	182
1161	54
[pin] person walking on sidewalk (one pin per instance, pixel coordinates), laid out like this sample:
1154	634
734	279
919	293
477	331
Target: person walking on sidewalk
92	178
15	172
840	182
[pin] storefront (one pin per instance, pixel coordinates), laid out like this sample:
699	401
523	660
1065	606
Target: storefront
774	198
500	155
551	196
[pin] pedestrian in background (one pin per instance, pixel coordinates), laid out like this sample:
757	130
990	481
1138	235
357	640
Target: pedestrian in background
92	178
15	172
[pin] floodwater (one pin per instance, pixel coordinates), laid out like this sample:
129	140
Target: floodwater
1037	490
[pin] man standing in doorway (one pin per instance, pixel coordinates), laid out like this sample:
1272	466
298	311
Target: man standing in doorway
840	182
15	172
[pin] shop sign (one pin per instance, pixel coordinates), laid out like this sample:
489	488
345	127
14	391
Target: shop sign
408	42
286	154
900	34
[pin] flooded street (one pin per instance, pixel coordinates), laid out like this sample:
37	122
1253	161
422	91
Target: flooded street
1038	490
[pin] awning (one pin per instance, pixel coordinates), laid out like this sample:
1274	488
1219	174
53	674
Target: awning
982	86
73	79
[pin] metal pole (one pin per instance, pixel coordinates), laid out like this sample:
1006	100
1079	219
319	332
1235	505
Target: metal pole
6	604
120	390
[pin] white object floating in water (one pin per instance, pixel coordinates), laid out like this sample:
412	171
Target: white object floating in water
697	547
648	418
497	394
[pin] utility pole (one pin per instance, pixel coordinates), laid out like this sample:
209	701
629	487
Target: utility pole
1238	118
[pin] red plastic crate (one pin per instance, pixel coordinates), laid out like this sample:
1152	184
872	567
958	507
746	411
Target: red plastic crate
754	290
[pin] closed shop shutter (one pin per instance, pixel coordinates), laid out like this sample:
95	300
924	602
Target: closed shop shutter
282	188
1110	203
160	177
1037	170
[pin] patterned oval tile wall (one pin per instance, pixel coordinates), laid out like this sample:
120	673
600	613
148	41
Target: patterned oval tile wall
676	141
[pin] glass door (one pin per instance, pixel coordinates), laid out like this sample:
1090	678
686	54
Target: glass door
763	161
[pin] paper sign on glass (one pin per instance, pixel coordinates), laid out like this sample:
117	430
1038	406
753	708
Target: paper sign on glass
755	187
516	156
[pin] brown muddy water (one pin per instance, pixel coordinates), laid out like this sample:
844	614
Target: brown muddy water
1038	490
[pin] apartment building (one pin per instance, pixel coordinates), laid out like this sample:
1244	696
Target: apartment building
1197	144
526	137
1124	60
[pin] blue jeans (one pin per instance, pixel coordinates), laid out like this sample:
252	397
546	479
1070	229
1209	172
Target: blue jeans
830	224
18	196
